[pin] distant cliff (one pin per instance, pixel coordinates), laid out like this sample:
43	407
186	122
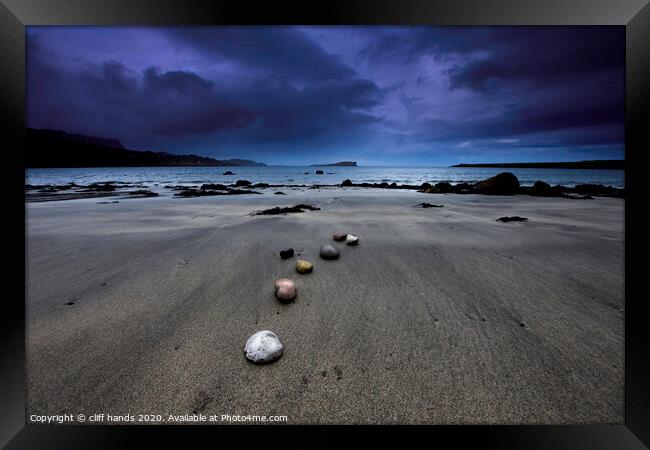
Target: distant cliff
612	164
53	148
342	163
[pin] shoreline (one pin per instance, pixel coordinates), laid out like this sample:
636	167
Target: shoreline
497	185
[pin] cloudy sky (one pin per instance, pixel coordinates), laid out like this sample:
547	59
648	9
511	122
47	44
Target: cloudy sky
302	95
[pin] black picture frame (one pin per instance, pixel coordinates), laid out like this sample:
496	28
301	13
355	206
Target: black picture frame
633	14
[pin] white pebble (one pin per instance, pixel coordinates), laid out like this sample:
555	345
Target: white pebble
263	347
351	239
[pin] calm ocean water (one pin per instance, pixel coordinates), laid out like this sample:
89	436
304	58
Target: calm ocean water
333	175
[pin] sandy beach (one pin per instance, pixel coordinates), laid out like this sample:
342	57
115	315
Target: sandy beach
439	316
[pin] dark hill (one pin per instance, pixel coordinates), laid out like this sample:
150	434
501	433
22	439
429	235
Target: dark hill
52	148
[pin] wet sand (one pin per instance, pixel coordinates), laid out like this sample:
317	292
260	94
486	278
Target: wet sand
439	316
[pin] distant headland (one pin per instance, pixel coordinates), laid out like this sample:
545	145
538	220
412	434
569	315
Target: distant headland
341	163
611	164
55	148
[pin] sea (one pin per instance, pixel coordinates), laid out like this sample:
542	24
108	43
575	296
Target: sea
295	175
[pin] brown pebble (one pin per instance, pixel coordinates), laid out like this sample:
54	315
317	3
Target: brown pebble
285	290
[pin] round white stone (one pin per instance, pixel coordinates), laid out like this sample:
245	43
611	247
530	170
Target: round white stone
351	239
263	347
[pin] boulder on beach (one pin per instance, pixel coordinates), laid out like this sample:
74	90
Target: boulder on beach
279	193
286	253
240	183
346	183
424	186
351	239
444	187
319	172
328	251
339	237
228	172
263	347
285	290
303	266
505	183
540	188
599	189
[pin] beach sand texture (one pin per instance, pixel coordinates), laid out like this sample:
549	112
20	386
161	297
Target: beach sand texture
438	316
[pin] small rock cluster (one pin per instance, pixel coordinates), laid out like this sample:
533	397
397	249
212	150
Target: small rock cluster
265	346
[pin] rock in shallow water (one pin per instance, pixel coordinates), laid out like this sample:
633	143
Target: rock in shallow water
286	253
351	239
263	347
328	251
285	290
303	266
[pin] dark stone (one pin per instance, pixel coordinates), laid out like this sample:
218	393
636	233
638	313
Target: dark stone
239	183
207	193
328	251
512	219
599	189
444	187
188	193
142	193
286	253
228	172
217	187
260	185
339	237
279	210
504	183
242	191
540	188
463	188
100	187
424	186
347	183
319	172
279	193
428	205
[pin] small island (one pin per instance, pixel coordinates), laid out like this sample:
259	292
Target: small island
606	164
341	164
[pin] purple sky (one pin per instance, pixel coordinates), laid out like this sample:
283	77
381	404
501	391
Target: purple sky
303	95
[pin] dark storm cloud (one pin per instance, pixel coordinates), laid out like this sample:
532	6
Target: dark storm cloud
542	57
276	92
109	98
281	51
563	80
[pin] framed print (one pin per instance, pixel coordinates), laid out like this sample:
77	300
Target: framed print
420	215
